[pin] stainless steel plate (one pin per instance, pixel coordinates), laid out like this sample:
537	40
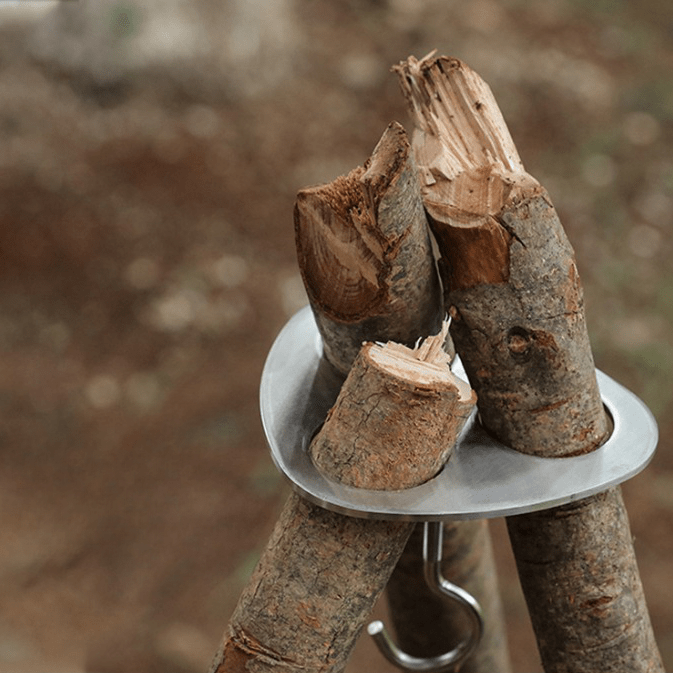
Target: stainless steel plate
483	478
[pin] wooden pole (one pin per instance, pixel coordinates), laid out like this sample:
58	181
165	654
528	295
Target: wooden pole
367	262
321	573
393	396
518	323
365	255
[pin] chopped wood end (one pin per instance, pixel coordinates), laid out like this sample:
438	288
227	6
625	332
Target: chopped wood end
452	104
427	364
365	254
468	163
396	419
335	231
344	252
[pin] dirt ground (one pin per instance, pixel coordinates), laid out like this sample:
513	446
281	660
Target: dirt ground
147	263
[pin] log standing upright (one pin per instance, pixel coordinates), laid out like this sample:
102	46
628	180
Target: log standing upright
518	324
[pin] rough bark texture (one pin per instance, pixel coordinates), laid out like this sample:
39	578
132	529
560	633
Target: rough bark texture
580	578
393	396
510	279
518	324
523	340
420	619
311	592
321	572
333	242
365	254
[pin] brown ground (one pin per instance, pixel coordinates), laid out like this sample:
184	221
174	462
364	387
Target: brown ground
147	263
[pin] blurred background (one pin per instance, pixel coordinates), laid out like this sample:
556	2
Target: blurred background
150	154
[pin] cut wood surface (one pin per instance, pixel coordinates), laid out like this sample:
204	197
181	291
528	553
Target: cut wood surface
332	246
515	299
365	256
321	573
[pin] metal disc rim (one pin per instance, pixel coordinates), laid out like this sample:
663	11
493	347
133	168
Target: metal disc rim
483	478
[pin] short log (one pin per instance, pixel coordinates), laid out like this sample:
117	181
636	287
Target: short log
393	396
510	277
365	256
321	572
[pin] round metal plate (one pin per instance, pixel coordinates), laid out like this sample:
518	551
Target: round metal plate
483	478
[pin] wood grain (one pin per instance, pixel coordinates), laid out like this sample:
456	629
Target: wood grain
365	255
515	298
321	572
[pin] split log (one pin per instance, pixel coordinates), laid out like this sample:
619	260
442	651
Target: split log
518	323
321	573
367	263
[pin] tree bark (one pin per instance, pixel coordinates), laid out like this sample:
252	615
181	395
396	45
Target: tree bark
367	262
311	592
580	558
321	573
385	416
365	256
515	299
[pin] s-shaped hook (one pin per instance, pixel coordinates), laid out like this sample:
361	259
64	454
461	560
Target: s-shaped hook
432	560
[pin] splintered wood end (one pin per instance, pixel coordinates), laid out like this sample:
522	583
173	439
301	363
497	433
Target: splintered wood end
469	168
426	365
345	250
339	251
396	419
468	162
452	102
385	163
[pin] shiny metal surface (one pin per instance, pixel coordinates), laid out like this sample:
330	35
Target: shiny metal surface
433	532
483	478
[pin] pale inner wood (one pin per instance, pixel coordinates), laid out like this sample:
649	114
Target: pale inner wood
468	161
426	365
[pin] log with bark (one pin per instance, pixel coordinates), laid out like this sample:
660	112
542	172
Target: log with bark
365	256
369	270
321	573
511	282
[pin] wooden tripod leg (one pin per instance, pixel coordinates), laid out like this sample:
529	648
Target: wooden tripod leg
321	572
580	558
367	263
516	301
310	593
365	255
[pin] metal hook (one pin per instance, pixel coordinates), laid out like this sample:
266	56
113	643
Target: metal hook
433	534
